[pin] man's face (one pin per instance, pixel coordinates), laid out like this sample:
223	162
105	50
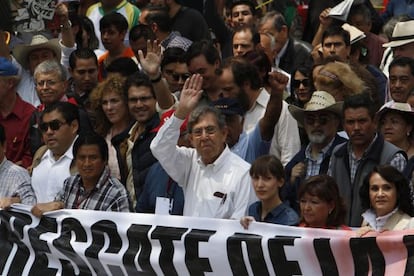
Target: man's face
141	103
38	56
50	87
199	65
279	36
401	83
360	22
90	163
320	126
266	43
241	15
139	44
60	139
242	42
231	90
175	74
335	46
111	38
207	138
85	75
406	50
359	126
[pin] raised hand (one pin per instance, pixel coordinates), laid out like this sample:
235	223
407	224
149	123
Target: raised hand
190	96
278	82
152	61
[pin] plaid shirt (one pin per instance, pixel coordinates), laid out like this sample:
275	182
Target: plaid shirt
313	166
398	161
15	182
108	195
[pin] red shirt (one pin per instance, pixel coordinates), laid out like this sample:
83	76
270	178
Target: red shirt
16	125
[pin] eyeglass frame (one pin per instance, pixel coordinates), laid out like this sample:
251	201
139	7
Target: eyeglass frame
57	124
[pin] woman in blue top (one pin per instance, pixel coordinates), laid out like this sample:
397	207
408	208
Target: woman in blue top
268	175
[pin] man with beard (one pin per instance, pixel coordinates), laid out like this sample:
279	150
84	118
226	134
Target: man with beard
320	118
240	79
352	161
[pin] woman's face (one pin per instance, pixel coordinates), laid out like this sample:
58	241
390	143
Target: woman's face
382	195
301	86
394	127
114	107
315	211
267	187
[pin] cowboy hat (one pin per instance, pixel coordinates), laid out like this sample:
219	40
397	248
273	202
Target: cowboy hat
402	108
403	34
320	101
21	52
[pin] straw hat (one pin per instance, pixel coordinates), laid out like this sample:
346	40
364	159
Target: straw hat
403	34
403	108
320	101
21	52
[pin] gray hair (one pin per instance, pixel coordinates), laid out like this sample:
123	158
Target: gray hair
203	110
50	66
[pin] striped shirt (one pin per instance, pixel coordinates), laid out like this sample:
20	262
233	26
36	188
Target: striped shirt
108	195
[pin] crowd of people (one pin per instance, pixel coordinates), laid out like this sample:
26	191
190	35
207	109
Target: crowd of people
237	110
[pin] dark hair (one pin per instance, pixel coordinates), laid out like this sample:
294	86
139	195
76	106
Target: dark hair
201	111
172	55
402	62
91	139
249	3
325	188
392	175
243	71
335	30
251	29
360	100
2	135
114	19
259	59
205	48
83	53
361	9
70	112
265	165
123	65
159	16
306	71
139	31
138	79
86	25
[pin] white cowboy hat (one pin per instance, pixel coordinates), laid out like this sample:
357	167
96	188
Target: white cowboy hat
403	34
402	108
320	101
21	52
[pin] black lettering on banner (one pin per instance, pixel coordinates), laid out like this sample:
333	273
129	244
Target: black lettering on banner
254	251
40	264
363	249
138	241
325	257
115	243
9	237
409	244
62	244
195	264
278	257
166	235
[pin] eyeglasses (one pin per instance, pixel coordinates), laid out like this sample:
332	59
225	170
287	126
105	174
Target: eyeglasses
297	83
53	125
48	83
209	130
177	77
322	120
141	99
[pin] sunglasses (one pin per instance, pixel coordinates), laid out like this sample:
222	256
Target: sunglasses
177	77
297	83
322	120
53	125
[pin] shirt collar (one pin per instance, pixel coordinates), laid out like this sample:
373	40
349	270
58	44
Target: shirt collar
219	161
323	151
68	153
367	149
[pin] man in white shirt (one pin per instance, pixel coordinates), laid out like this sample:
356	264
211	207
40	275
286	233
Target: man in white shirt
215	181
52	163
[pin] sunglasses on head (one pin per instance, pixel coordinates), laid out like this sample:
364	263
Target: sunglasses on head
177	77
53	125
297	83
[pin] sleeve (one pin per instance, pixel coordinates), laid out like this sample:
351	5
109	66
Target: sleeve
25	190
164	148
66	51
244	197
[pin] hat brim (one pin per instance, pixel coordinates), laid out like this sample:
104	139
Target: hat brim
397	43
381	112
21	52
299	113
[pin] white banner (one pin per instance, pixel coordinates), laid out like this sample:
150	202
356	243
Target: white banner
79	242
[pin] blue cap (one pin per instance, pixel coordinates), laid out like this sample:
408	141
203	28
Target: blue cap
229	106
7	68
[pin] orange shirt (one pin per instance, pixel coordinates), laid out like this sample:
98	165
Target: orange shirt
101	62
